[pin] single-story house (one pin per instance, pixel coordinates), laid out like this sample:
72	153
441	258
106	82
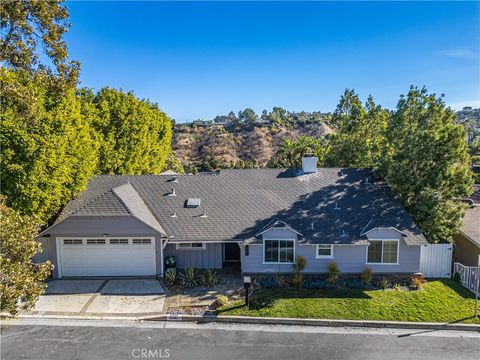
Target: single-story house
467	241
259	219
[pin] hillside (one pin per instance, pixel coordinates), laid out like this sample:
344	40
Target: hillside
213	146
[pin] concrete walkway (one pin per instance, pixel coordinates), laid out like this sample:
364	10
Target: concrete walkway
101	297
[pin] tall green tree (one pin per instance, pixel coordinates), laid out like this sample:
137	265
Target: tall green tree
359	132
21	281
427	163
136	135
30	28
49	149
290	153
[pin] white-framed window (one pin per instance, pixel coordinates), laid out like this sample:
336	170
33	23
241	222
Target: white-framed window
324	251
141	241
382	252
96	241
72	241
118	241
191	246
278	251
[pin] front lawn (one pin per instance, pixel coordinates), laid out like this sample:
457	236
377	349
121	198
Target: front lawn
439	301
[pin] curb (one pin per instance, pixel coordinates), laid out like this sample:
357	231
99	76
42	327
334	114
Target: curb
315	322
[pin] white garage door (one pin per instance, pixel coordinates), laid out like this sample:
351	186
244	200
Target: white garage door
107	256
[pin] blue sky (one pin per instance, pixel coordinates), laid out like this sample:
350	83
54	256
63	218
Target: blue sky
197	60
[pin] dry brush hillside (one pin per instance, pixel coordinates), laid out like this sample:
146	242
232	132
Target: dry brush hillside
194	145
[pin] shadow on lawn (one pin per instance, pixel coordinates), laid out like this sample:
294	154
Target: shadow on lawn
458	288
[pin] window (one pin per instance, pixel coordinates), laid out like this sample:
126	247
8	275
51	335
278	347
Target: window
191	246
95	241
141	241
72	241
382	252
119	241
324	252
279	251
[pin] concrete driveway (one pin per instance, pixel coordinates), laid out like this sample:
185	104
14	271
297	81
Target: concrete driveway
101	297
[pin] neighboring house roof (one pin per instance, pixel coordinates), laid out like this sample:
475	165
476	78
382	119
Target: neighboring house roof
471	221
331	206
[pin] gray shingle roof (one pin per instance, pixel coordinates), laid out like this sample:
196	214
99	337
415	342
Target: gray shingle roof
238	203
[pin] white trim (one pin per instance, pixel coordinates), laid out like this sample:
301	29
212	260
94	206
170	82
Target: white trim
331	256
59	256
384	263
384	228
177	247
273	222
278	262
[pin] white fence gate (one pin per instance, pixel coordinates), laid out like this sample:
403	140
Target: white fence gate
436	260
468	275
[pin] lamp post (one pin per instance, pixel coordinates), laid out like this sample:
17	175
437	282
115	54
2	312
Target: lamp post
246	284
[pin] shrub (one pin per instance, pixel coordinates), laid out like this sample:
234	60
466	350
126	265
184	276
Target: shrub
298	267
397	287
209	278
170	277
416	282
282	281
297	279
333	273
355	284
268	282
383	283
457	277
366	276
189	278
312	283
220	301
299	264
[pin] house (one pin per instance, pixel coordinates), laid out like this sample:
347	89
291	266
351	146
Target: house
467	241
257	219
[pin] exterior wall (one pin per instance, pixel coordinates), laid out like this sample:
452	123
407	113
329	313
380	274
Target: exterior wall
210	258
90	226
466	252
350	258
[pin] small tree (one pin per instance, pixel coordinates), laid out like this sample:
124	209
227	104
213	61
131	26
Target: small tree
298	267
333	273
367	275
21	281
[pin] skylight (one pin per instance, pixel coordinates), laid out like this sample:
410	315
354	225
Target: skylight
193	202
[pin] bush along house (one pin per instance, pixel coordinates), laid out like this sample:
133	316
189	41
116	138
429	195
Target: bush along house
256	219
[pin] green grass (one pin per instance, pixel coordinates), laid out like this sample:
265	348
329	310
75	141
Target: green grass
439	301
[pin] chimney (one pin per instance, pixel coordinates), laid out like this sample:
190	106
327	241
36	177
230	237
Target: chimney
309	164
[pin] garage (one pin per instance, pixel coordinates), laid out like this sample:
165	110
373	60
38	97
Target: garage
102	256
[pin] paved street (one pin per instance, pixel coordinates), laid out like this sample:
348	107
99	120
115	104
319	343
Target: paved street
68	339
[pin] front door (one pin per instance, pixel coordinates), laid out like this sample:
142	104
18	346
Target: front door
231	252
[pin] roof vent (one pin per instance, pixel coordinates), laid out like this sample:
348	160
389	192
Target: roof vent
336	206
193	203
173	180
366	181
174	215
309	164
344	233
313	228
172	193
204	215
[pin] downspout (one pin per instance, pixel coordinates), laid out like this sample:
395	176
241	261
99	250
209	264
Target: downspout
163	245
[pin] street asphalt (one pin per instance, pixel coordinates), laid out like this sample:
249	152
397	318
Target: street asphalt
116	339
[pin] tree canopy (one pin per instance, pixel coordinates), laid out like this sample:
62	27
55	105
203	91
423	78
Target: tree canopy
22	281
427	163
30	28
49	149
136	135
